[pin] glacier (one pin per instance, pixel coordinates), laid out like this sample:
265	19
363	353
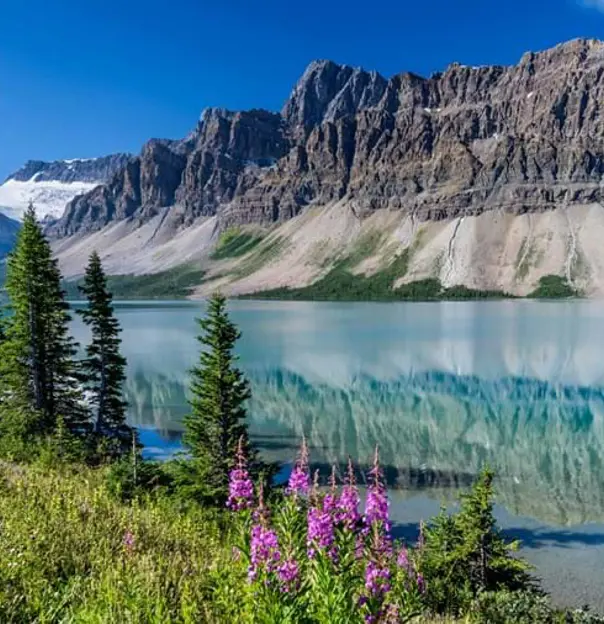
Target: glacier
49	197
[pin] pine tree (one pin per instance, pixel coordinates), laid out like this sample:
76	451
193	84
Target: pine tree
217	419
39	373
104	366
466	554
486	554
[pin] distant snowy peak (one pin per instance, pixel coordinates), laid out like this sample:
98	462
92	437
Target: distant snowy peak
73	170
50	186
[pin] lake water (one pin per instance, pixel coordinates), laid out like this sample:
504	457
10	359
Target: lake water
442	388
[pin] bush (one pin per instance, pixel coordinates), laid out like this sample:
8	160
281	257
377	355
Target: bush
127	479
522	607
553	287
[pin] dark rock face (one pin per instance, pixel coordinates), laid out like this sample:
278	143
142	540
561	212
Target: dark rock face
521	138
79	170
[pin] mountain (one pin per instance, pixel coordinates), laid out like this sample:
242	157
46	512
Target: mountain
51	185
488	177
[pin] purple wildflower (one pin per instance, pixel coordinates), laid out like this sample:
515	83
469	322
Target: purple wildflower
421	540
128	541
359	547
377	578
241	488
264	547
261	512
288	573
320	531
348	503
376	505
299	480
421	583
402	559
330	500
392	613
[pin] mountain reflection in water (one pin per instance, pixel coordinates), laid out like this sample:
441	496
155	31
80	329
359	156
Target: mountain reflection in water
441	388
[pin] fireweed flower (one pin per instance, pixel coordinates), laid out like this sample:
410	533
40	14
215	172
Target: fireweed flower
299	480
402	559
376	504
377	578
128	541
288	573
421	540
330	500
241	488
320	532
348	503
264	551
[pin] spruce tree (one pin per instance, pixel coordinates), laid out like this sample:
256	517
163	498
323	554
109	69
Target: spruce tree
466	554
217	419
39	373
486	555
104	365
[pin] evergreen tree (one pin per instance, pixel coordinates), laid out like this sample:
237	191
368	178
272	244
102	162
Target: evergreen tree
104	366
483	549
39	373
466	554
217	419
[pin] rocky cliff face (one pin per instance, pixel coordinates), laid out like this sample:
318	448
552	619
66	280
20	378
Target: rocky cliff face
524	138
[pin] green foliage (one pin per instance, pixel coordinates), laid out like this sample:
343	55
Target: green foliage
39	376
467	552
71	552
524	607
217	419
80	544
132	477
259	257
104	366
553	287
175	283
234	243
339	284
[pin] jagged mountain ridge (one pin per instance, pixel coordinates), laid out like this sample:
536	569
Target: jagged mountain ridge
49	186
520	138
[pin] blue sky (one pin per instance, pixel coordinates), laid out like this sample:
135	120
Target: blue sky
86	78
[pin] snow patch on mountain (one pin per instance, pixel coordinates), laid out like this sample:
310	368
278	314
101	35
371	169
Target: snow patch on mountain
50	186
49	197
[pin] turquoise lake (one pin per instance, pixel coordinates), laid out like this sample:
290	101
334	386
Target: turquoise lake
442	388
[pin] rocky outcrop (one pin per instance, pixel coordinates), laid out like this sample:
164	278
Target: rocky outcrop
518	139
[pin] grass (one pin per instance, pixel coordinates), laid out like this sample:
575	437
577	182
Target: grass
175	283
71	552
63	557
259	257
553	287
233	243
